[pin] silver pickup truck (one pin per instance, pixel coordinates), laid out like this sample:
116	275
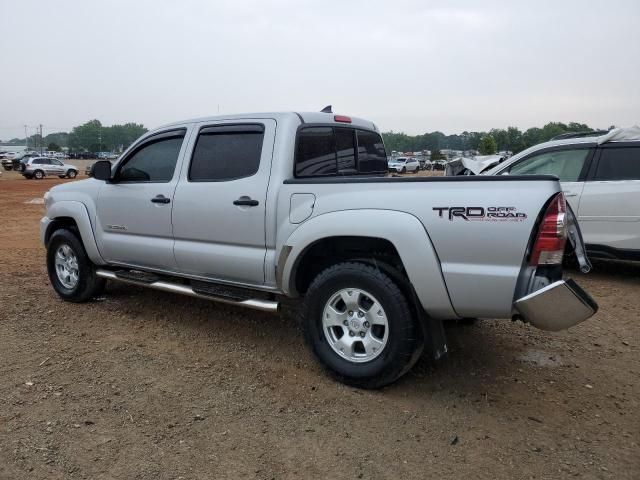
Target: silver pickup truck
249	209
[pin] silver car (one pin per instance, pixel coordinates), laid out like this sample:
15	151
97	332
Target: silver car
40	167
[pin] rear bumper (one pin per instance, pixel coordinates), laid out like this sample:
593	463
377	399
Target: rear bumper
557	306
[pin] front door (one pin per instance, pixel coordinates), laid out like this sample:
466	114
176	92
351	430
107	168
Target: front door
219	208
569	164
57	168
134	210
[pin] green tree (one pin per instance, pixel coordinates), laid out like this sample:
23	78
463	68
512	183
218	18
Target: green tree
437	155
487	145
54	147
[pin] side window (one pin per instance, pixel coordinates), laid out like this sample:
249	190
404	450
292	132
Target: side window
226	152
154	161
621	163
564	164
371	155
316	152
55	162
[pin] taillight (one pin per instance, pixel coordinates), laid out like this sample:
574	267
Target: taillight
548	248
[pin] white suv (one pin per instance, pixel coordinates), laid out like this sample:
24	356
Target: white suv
40	167
600	177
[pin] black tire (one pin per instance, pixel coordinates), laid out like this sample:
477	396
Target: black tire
38	174
404	342
404	170
89	285
72	173
8	168
61	176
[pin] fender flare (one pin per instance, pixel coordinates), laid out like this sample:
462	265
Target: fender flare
78	212
405	232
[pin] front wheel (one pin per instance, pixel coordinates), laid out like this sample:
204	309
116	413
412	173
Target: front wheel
360	326
7	168
72	174
72	274
404	170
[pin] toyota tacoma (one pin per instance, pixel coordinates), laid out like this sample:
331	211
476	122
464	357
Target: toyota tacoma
251	209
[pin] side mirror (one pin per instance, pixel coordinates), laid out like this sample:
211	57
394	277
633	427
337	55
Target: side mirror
101	170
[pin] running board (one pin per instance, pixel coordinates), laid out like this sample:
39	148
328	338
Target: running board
256	304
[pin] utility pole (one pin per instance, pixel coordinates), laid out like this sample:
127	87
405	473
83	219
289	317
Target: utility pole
41	139
26	139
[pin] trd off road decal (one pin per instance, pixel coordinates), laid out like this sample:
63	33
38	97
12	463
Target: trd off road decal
487	214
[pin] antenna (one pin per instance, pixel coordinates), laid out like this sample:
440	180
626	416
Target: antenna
327	109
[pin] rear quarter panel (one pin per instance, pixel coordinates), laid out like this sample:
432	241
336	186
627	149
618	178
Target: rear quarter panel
480	258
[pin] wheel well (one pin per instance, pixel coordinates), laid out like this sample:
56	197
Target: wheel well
329	251
59	223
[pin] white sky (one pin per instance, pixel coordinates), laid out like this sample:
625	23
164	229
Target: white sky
408	65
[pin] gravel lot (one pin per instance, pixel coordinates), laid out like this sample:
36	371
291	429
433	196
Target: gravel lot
147	385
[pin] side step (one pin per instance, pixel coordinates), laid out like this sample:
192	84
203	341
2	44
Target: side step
166	286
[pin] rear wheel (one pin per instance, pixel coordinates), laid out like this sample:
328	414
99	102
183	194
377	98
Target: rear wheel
72	274
360	326
38	174
72	174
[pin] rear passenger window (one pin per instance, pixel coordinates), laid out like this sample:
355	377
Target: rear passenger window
323	151
226	152
621	163
371	154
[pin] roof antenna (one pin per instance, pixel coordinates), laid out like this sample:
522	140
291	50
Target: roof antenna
327	109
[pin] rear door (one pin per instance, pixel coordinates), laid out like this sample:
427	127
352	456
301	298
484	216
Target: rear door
219	208
609	213
134	211
569	163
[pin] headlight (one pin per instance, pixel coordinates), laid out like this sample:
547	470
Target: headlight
48	200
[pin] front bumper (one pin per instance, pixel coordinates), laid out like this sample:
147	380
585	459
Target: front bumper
557	306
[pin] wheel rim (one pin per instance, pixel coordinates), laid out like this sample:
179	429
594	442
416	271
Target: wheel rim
67	266
38	175
72	174
355	325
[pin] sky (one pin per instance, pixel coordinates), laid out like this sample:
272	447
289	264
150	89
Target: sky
408	65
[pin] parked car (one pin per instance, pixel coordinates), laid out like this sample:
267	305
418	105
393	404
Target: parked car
600	177
404	165
40	167
233	210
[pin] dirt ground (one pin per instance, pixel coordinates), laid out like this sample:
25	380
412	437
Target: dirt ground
148	385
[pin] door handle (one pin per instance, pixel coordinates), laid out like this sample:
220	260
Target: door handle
246	202
570	194
160	199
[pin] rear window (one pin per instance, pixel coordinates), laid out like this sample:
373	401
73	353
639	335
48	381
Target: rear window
371	154
324	151
621	163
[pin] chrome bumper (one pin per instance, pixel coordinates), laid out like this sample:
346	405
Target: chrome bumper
557	306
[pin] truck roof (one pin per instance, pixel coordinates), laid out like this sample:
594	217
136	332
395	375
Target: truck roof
303	117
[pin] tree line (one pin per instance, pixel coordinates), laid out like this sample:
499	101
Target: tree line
497	139
91	136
